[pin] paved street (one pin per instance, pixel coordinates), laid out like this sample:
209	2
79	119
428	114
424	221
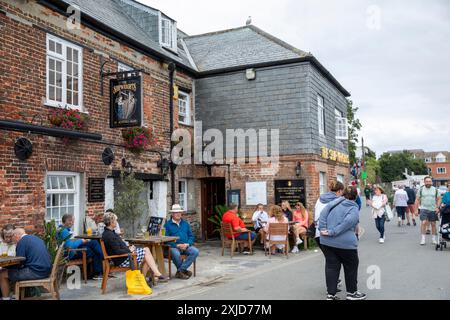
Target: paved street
408	271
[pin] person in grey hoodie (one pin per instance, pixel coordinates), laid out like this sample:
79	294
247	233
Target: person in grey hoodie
336	191
337	224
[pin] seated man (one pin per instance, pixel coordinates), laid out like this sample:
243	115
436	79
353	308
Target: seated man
114	245
37	264
177	227
93	248
238	225
6	240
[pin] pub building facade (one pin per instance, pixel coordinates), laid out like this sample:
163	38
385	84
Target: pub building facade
126	65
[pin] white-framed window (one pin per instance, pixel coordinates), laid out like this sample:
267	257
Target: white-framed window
340	178
64	74
341	125
182	193
322	182
62	190
442	170
321	114
168	33
440	158
428	160
184	108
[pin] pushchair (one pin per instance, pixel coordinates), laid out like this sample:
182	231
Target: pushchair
444	229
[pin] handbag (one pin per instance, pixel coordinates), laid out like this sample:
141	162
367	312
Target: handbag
388	212
135	280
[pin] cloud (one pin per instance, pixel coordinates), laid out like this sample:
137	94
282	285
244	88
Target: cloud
393	56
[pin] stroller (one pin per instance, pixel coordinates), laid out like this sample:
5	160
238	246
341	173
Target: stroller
444	229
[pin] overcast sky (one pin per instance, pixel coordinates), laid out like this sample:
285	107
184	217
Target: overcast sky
393	56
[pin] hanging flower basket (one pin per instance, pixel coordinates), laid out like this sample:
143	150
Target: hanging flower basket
137	139
70	119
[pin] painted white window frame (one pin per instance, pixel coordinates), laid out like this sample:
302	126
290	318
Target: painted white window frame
63	59
442	170
428	160
321	114
322	182
341	125
76	192
340	178
171	42
440	158
182	196
184	97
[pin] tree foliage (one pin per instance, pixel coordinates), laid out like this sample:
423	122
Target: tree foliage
354	125
392	166
128	205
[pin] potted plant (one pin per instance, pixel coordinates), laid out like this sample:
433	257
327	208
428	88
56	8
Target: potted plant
70	119
217	219
137	139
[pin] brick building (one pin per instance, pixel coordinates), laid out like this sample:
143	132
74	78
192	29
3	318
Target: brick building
234	79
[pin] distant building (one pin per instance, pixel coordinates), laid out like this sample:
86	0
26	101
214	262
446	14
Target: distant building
438	164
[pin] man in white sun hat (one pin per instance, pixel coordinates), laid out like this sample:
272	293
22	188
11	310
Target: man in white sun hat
177	227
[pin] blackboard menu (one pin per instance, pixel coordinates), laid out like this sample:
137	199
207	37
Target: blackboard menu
290	190
96	187
155	225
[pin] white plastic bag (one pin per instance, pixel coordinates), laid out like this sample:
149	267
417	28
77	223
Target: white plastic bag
389	213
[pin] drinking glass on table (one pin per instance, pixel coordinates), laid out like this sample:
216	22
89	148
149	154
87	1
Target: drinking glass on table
89	231
163	231
4	250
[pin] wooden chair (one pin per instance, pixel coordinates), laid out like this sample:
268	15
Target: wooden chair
108	265
79	262
226	228
51	283
183	257
277	229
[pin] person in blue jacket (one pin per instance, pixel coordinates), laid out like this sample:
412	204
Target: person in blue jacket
184	245
93	248
338	222
37	264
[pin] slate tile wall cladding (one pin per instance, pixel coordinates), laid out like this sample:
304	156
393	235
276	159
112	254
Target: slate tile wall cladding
23	76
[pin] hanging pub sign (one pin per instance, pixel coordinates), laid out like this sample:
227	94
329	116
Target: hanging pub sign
126	102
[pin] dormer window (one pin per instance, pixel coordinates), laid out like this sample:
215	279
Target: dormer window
440	158
168	34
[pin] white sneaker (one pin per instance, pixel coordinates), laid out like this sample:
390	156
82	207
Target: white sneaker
434	240
299	241
422	242
381	240
295	250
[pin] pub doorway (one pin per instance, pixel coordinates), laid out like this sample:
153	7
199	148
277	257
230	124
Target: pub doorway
213	194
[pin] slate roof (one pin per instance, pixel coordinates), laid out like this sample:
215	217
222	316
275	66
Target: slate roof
238	47
109	13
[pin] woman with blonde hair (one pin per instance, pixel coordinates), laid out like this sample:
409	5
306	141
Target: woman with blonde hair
378	204
276	216
301	218
286	208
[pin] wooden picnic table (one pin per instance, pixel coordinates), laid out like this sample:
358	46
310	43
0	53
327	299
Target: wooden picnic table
155	244
10	261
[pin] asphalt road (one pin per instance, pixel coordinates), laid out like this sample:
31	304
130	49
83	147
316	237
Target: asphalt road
406	271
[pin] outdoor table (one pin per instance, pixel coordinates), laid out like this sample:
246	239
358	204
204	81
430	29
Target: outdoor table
91	237
10	261
154	243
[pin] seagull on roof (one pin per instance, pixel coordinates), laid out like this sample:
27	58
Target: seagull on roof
249	21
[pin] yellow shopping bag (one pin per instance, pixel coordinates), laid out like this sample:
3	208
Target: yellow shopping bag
136	283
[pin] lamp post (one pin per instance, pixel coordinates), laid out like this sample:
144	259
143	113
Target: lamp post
164	164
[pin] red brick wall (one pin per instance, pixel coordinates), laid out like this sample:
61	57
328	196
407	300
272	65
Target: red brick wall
23	78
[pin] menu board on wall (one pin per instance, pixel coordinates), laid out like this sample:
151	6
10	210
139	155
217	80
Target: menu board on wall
255	193
290	190
96	189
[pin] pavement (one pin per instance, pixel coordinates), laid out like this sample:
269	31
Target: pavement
399	269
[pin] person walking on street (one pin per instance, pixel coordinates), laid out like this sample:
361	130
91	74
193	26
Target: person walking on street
429	202
368	193
337	225
411	209
378	204
401	203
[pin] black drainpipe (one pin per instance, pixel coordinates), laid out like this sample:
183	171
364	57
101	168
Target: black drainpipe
172	68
